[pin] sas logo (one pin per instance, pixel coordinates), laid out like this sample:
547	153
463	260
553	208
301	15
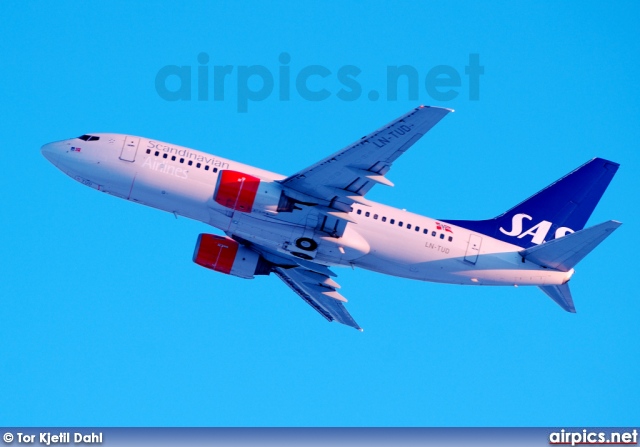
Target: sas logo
537	232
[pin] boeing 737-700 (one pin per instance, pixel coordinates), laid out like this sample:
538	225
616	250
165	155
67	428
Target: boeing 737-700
299	227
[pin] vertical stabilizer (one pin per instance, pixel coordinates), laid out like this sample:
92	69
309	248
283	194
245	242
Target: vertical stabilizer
561	208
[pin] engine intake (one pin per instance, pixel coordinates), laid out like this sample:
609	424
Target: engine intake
225	255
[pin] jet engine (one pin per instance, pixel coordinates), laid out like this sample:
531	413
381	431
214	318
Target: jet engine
244	192
225	255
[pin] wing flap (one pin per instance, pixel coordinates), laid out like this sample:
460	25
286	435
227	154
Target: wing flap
319	292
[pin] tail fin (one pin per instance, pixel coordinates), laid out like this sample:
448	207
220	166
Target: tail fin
561	208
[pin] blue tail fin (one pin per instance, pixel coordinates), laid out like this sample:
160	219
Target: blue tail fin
561	208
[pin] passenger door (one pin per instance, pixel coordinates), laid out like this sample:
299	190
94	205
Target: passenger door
473	249
130	148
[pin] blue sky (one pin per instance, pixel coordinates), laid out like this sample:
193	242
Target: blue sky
107	321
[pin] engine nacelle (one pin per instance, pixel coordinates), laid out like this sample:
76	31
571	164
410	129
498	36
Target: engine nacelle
243	192
225	255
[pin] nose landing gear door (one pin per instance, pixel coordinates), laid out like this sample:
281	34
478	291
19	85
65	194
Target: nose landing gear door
130	148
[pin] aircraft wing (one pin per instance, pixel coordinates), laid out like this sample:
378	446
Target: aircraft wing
344	177
319	291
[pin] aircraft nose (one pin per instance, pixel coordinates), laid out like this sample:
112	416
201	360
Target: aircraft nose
50	153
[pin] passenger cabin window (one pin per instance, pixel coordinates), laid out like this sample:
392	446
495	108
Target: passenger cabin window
384	219
408	226
392	221
450	238
425	231
367	214
400	223
441	236
375	216
359	211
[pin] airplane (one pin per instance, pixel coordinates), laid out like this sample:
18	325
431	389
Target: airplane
299	227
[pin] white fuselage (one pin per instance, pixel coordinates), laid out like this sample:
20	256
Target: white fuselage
380	238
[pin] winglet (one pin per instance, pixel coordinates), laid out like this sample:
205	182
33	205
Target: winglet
422	106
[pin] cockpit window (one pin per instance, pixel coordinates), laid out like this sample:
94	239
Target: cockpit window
89	138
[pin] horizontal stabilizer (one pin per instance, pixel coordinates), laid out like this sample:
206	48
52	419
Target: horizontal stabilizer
565	252
561	295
